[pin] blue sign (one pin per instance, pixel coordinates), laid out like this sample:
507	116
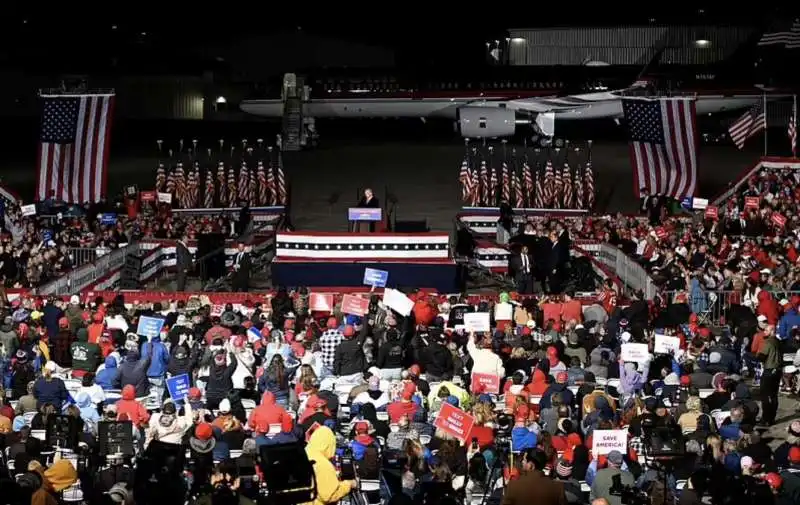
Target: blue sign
149	326
47	235
178	387
363	214
686	203
108	219
375	278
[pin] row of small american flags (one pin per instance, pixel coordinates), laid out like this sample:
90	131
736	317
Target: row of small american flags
551	183
258	182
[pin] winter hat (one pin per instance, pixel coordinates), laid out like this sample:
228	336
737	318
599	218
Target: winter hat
564	468
224	406
203	440
195	394
615	458
452	400
794	454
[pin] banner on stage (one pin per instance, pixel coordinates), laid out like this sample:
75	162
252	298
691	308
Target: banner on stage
363	214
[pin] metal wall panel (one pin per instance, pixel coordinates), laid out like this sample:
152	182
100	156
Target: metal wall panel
147	97
623	45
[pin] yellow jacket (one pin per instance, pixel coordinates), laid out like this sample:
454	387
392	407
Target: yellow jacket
321	449
464	399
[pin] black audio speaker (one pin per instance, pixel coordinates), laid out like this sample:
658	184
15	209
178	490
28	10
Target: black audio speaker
411	226
211	255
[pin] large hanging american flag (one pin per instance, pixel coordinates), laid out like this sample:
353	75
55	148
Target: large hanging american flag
663	145
74	146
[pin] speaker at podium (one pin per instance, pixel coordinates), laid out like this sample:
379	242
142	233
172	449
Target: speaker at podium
362	220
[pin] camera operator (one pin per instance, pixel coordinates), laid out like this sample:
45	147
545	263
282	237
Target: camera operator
224	487
533	486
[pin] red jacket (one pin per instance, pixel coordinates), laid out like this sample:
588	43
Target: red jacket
129	408
269	413
768	307
396	410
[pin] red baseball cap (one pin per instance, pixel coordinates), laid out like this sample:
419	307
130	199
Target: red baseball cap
203	431
686	380
794	455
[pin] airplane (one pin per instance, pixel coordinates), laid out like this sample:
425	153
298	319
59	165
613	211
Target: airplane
497	111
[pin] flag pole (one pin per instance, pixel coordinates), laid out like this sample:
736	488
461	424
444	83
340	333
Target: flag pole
766	122
793	140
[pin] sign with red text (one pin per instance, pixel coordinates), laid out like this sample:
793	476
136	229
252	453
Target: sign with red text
605	441
661	233
490	383
712	212
320	302
355	305
454	421
778	219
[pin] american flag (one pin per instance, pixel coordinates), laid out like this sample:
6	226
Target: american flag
579	199
789	38
568	188
558	190
73	147
749	124
549	184
506	182
466	183
539	198
792	129
663	145
528	182
484	184
519	199
589	181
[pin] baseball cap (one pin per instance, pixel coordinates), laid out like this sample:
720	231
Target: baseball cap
794	455
615	458
224	406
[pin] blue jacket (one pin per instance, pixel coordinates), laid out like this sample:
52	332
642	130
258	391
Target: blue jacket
566	395
159	358
787	322
359	449
522	438
105	377
50	316
89	412
53	391
280	438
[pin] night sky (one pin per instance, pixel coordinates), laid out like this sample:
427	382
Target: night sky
119	41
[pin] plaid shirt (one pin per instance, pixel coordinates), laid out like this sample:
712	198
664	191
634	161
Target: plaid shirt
328	343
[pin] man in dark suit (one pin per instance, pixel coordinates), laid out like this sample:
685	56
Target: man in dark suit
183	262
521	267
369	201
533	486
241	269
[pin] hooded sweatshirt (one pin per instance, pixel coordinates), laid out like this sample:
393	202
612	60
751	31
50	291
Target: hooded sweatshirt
129	408
105	377
538	384
85	355
88	410
320	449
268	413
169	428
159	357
133	372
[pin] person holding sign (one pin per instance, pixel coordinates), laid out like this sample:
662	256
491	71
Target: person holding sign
484	359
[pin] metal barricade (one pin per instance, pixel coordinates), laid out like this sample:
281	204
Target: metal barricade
631	273
79	278
82	255
712	307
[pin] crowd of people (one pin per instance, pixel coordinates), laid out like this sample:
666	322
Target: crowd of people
38	248
365	392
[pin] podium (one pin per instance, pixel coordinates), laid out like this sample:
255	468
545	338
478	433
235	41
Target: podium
363	219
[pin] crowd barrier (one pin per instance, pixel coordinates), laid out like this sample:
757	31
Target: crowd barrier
712	307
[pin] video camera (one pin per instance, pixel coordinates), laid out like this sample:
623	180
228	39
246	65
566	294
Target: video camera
629	495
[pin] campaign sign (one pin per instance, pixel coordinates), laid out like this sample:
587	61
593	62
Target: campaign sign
149	326
490	382
355	305
605	441
108	218
454	421
178	387
376	278
363	214
635	353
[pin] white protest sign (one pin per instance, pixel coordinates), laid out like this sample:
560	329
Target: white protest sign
637	353
503	312
397	301
605	441
28	210
665	344
476	321
164	197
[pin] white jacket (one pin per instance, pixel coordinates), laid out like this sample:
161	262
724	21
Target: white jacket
173	432
484	360
244	366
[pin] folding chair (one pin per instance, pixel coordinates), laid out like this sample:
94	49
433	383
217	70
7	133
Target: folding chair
707	316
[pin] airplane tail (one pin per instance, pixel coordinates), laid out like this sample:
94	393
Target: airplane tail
642	81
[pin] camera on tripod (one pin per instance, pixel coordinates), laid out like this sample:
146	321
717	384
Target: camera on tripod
629	495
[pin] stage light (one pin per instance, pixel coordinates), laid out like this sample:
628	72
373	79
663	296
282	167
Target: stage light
221	99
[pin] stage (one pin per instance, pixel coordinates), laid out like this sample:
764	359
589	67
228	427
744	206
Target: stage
412	260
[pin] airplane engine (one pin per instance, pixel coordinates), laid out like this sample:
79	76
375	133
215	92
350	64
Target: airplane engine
481	122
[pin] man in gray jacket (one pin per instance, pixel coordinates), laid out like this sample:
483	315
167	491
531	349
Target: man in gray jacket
9	343
601	487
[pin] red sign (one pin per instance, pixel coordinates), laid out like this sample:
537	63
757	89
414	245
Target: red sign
712	212
147	196
661	233
319	302
490	383
454	421
217	310
752	202
355	305
778	219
